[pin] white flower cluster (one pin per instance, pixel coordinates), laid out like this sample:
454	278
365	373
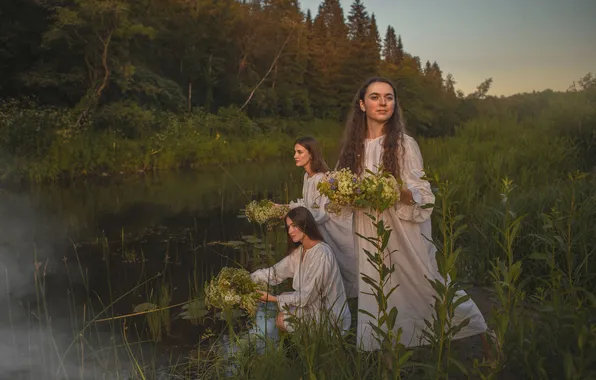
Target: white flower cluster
341	187
265	212
233	289
378	191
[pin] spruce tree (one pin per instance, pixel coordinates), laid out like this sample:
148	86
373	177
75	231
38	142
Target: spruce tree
400	50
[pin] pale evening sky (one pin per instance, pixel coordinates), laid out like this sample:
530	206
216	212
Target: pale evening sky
524	45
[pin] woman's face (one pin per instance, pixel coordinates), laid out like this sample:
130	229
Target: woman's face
301	155
295	233
379	102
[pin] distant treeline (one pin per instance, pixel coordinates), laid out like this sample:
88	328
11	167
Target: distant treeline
266	57
94	86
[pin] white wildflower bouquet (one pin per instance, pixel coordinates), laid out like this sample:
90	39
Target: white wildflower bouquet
265	212
233	289
341	187
378	190
345	189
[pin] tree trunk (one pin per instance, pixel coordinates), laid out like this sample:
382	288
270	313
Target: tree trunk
274	77
189	96
104	62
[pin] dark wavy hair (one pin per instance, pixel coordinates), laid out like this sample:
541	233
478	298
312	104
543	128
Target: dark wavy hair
352	150
317	162
303	219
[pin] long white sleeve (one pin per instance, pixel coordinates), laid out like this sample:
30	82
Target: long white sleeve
318	202
312	277
412	253
412	173
316	281
312	198
279	272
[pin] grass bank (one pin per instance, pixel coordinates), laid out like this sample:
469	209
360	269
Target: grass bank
49	144
516	205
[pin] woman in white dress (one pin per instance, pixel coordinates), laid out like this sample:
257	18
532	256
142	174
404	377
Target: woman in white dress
336	229
375	136
319	294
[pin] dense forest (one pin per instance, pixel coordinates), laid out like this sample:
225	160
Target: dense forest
267	57
114	87
106	86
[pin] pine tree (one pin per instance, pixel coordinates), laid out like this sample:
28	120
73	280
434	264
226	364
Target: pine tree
331	15
358	22
428	69
374	40
390	46
308	21
400	50
363	53
437	74
450	84
417	61
328	51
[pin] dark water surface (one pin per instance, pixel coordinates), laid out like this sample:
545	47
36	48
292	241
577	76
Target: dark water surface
96	249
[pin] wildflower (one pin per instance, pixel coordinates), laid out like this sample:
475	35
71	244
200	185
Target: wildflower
345	189
265	212
233	289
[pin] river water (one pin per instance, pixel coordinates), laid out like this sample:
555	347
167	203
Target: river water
75	257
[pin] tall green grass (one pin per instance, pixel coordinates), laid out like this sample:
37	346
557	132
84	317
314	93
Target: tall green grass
46	144
525	306
537	156
523	189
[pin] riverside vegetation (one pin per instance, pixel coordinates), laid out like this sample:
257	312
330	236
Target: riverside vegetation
515	216
100	88
95	88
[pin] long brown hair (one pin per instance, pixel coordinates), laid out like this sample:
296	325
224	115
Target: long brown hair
303	219
317	162
352	150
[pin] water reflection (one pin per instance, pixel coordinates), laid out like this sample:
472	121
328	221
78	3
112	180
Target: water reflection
173	199
103	247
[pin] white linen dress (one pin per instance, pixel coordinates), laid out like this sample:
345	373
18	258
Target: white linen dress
414	256
336	230
318	286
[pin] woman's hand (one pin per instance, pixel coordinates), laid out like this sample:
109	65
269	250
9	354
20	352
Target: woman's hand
281	217
265	297
277	205
406	196
280	321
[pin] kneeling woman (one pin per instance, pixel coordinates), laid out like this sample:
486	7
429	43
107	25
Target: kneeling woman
319	291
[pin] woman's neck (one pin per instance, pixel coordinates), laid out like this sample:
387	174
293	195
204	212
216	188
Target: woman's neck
309	171
374	129
308	243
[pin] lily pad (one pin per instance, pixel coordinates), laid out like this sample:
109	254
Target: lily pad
231	243
230	315
194	310
146	306
263	246
251	239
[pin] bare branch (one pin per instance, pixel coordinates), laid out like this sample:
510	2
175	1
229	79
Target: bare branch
104	61
273	64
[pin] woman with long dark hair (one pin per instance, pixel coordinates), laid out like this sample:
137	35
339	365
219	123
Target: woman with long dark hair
335	229
375	137
319	294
